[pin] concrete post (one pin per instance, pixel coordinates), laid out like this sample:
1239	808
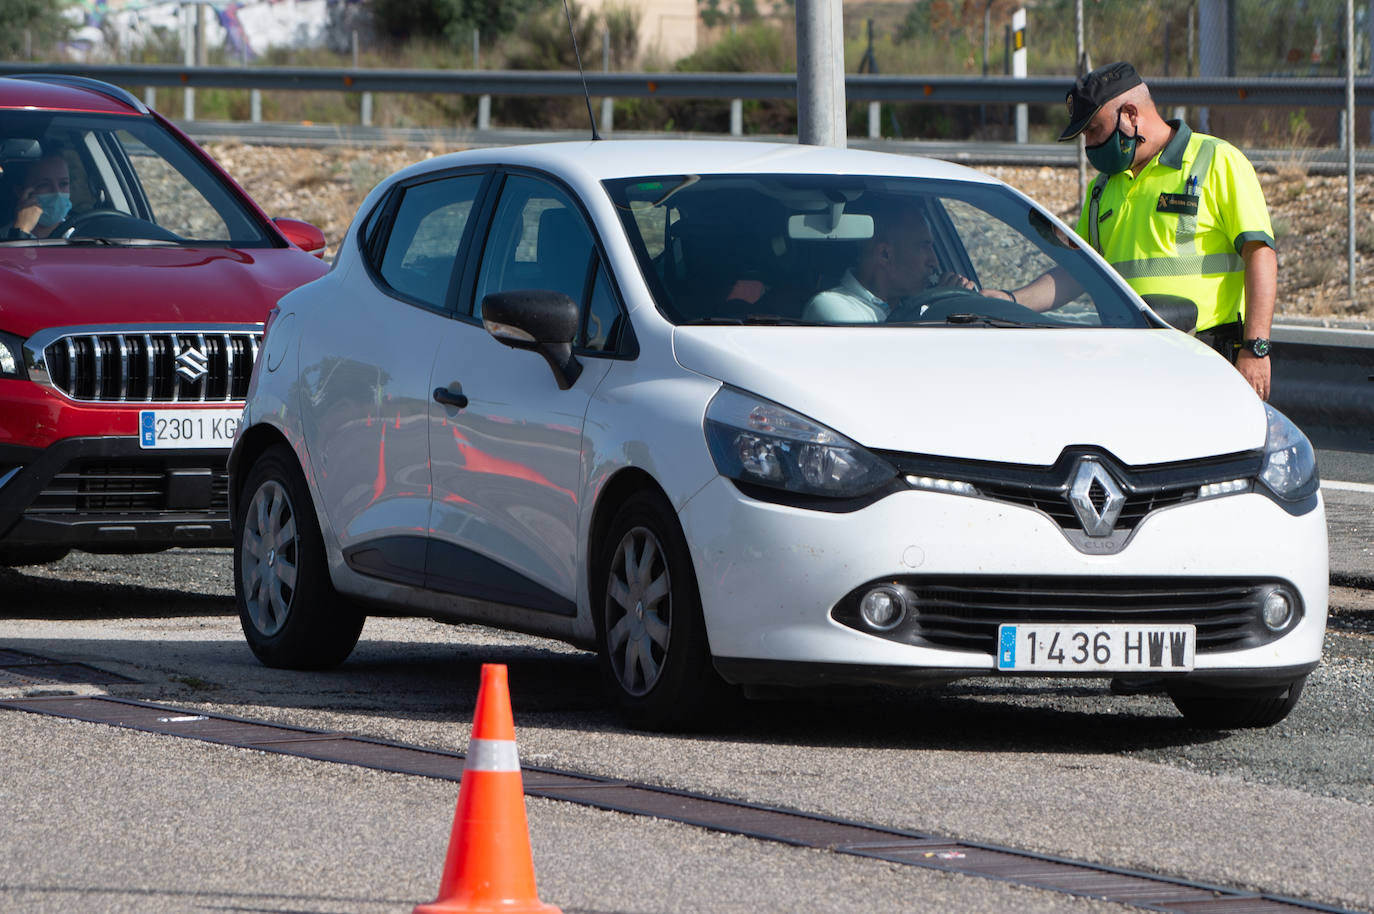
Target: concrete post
820	73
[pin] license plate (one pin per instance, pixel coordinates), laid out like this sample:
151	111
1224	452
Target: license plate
165	429
1096	648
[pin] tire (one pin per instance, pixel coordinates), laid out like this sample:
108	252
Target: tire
654	654
291	615
1222	709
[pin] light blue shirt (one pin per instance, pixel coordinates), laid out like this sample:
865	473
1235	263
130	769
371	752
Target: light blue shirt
847	303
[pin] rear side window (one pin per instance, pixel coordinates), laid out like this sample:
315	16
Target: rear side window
418	255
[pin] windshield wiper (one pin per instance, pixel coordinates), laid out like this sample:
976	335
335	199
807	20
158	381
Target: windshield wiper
966	317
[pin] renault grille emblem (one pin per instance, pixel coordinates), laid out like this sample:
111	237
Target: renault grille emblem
1089	479
192	364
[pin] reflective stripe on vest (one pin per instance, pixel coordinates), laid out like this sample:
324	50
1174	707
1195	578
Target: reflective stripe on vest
1185	238
1192	265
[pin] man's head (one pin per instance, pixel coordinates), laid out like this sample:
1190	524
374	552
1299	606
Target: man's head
900	257
1112	110
1096	91
44	182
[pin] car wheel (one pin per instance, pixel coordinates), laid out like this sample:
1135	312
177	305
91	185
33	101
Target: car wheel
1222	709
653	646
289	610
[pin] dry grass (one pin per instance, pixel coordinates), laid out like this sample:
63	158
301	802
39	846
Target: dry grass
325	187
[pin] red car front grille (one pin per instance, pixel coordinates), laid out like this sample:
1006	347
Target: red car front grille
132	367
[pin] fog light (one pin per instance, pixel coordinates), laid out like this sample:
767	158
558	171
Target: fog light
883	608
1277	611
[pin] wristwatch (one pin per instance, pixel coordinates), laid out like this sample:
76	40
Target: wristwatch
1259	347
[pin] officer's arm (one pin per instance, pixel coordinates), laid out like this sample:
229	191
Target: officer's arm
1261	287
1049	290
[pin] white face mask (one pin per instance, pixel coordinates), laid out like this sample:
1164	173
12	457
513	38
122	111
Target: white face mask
55	207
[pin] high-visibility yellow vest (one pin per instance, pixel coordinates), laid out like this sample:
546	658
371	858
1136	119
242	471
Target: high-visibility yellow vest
1180	225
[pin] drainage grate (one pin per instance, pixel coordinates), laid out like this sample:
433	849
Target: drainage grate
18	669
1158	893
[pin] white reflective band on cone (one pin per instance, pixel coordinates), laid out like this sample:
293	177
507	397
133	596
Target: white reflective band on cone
492	755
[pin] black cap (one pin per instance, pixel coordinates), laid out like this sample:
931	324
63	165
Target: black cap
1094	90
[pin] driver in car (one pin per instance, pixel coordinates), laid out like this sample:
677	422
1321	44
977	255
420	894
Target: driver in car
895	265
41	191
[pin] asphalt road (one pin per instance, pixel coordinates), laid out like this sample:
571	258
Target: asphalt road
107	820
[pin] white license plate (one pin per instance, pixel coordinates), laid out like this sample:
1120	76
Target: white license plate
1096	648
163	429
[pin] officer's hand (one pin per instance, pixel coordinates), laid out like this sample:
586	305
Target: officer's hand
1256	371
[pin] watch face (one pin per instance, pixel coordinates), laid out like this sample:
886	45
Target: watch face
1259	347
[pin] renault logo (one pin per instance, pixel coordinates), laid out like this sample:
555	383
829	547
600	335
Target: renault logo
192	364
1092	479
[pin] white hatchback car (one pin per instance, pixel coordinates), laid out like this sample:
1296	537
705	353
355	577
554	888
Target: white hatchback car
573	390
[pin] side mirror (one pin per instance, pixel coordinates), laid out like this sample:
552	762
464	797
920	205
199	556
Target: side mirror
540	320
1175	310
303	235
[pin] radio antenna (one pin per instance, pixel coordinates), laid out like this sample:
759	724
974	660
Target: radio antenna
578	54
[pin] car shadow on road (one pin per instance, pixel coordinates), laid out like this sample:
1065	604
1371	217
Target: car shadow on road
30	595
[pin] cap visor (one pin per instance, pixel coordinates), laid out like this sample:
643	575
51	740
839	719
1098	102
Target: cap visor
1078	125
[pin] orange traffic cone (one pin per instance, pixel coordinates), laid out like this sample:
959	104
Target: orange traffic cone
489	866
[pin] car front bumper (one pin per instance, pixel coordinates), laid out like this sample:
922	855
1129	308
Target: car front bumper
771	575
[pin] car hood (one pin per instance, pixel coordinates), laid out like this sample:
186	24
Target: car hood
981	393
49	286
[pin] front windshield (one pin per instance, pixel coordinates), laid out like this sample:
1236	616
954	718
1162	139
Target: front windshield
131	181
842	249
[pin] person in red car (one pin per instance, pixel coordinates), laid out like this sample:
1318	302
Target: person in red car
42	192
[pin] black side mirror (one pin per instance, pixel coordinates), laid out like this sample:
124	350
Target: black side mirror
540	320
1175	310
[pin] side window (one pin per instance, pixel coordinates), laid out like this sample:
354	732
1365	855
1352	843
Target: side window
601	321
187	214
417	257
538	240
1002	257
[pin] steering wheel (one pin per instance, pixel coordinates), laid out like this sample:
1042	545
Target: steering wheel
79	225
934	305
944	302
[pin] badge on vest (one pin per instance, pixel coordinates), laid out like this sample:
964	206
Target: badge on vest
1178	204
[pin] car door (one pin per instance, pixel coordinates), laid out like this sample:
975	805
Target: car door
507	466
366	373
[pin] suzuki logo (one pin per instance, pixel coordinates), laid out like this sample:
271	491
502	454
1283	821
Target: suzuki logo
192	364
1092	478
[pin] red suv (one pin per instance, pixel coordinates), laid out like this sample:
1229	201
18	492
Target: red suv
136	279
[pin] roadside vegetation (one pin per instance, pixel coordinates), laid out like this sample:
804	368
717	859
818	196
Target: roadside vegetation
947	37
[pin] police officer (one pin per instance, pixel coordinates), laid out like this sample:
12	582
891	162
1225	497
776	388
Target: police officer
1175	212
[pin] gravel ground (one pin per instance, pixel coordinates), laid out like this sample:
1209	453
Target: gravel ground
325	186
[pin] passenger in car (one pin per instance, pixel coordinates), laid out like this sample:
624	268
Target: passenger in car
897	263
38	196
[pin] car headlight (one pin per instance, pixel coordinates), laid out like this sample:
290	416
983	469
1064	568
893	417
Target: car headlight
12	357
1290	465
757	441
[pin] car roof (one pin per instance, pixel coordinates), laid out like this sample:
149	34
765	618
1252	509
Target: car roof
599	160
60	92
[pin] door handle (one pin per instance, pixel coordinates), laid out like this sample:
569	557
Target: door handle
449	398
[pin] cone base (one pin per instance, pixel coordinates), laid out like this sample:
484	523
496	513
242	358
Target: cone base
534	906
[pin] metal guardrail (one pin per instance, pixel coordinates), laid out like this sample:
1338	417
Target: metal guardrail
1310	92
1327	386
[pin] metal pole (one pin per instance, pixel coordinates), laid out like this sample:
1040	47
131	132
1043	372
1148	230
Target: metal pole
483	103
607	104
1018	65
820	73
188	57
1350	144
1081	55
